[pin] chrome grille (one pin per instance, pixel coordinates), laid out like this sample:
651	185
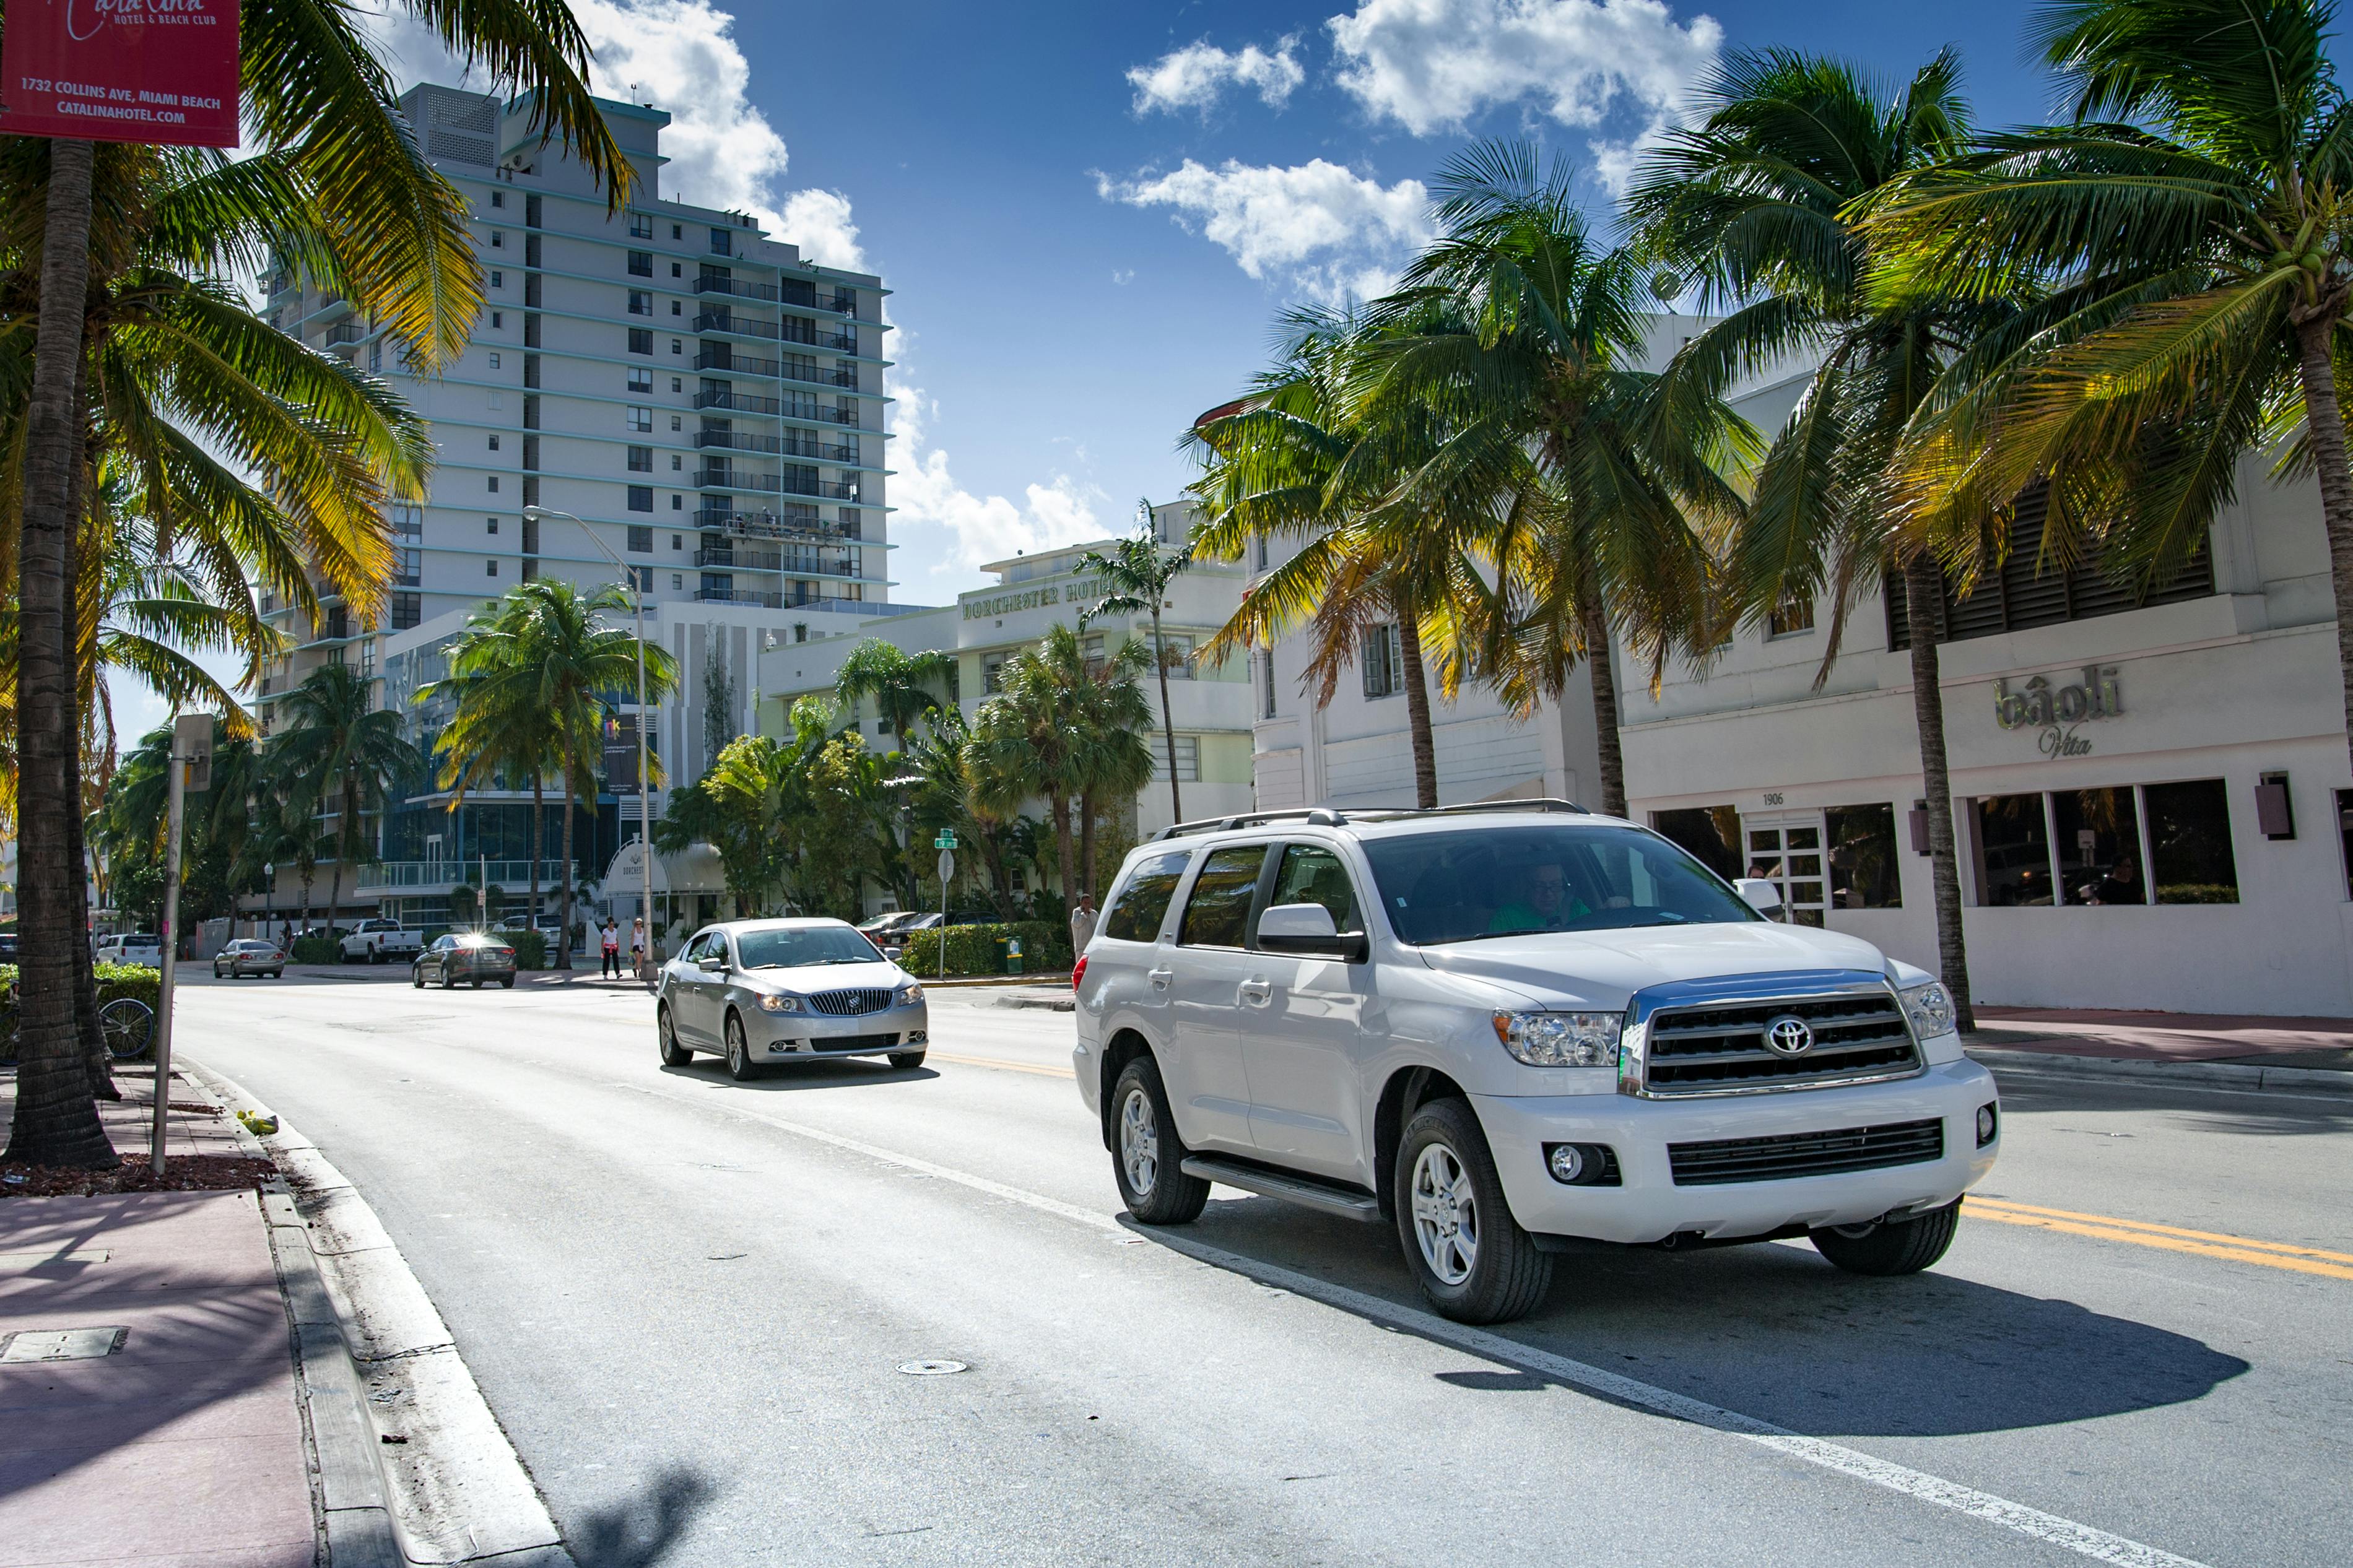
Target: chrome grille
1719	1048
849	1004
1788	1155
854	1043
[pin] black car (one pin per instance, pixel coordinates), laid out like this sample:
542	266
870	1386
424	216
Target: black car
461	956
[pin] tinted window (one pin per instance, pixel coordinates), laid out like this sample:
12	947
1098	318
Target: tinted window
796	947
1218	911
1864	874
1501	881
1310	874
2013	851
1135	915
2189	843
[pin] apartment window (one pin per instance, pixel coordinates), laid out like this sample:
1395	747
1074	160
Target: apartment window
641	540
408	609
677	502
498	239
641	459
722	242
678	542
498	400
676	347
376	355
641	302
678	231
497	198
677	581
406	563
677	462
639	418
1384	662
490	568
1861	841
677	384
641	497
497	279
641	226
494	362
498	320
2092	847
641	263
1188	760
1260	552
675	270
676	309
641	340
992	669
1266	684
489	525
674	423
1176	655
494	441
494	484
1790	617
1090	650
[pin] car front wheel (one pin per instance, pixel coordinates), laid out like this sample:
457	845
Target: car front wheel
740	1066
416	976
906	1060
1472	1260
1147	1158
1889	1247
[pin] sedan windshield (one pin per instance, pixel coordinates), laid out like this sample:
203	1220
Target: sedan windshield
1508	881
793	947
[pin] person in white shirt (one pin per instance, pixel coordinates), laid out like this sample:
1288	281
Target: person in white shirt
1083	924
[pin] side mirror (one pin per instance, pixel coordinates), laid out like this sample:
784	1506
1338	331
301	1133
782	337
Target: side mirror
1307	929
712	963
1763	894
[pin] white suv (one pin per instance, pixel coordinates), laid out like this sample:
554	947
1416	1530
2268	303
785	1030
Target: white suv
1518	1031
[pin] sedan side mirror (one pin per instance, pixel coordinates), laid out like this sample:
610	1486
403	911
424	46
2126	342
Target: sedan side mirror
712	963
1307	929
1763	894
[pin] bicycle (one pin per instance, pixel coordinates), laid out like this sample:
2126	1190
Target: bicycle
127	1024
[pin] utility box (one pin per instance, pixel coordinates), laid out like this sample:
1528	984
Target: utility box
1012	955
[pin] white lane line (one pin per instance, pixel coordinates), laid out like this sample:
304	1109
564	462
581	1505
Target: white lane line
2096	1544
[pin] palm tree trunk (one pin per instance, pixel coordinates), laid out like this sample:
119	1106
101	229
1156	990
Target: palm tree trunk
2324	417
55	1120
96	1061
1416	710
538	806
1168	725
1602	671
1924	600
1061	804
1087	841
563	934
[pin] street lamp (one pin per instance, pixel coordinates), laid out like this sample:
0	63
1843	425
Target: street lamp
645	774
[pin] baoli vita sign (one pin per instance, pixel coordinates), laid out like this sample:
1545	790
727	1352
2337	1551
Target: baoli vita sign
161	71
2056	709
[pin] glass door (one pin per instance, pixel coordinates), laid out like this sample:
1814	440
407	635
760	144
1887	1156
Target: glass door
1787	852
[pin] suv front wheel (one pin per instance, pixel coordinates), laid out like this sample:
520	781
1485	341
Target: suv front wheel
1146	1155
1471	1257
1890	1248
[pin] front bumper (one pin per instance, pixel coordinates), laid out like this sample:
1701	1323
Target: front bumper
1649	1207
785	1036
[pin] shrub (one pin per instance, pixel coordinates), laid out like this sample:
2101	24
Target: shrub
317	950
113	980
980	949
530	947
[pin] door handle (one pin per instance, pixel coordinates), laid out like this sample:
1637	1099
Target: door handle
1160	978
1255	990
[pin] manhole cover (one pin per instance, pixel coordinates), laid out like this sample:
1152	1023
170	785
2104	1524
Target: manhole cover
60	1345
931	1368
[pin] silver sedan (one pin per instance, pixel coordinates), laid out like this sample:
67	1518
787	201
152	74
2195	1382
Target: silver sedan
250	955
761	991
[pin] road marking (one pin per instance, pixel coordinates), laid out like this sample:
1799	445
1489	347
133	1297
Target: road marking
1040	1069
2171	1238
2096	1544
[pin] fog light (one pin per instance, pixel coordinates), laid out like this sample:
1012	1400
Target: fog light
919	1036
1567	1165
1581	1164
1989	1123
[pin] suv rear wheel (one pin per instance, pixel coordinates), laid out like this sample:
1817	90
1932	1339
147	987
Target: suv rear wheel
1901	1247
1146	1158
1471	1257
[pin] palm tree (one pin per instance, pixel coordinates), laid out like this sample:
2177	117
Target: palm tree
947	798
340	176
2191	221
1138	575
1756	205
901	684
349	755
1025	740
1111	762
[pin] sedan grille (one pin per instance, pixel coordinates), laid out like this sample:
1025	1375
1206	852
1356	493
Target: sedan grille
851	1004
1791	1154
854	1043
1721	1049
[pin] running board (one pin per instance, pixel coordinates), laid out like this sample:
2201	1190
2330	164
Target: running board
1301	1190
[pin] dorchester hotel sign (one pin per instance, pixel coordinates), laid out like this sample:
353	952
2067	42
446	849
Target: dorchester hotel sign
2056	712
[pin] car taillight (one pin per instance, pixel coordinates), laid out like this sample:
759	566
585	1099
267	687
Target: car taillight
1078	972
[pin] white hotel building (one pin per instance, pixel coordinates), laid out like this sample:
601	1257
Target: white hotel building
2152	791
705	400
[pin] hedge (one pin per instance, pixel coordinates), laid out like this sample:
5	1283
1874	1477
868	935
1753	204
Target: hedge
980	949
530	947
113	980
317	950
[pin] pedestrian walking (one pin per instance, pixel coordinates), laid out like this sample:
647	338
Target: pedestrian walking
637	945
1083	924
612	945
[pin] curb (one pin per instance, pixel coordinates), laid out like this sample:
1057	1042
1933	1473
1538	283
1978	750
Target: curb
1064	1003
2213	1075
963	982
371	1343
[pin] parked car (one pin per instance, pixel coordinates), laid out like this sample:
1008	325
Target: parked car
378	941
249	955
8	947
1513	1034
145	948
761	991
459	956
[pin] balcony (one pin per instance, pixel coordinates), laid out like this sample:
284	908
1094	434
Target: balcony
740	402
739	596
717	356
741	326
344	334
821	374
420	876
740	560
713	476
710	283
769	525
738	441
840	342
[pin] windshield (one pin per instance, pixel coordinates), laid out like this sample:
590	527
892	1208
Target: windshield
793	947
1507	882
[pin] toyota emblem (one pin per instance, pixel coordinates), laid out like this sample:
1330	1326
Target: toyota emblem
1789	1036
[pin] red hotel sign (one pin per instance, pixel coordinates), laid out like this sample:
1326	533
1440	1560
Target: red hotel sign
120	71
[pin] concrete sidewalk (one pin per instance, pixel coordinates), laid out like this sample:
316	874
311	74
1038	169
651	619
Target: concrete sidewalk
2251	1040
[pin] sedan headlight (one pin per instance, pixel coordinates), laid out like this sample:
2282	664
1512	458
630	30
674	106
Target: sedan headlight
1561	1039
909	995
783	1004
1930	1009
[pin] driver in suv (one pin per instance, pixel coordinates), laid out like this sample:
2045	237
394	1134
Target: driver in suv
1516	1032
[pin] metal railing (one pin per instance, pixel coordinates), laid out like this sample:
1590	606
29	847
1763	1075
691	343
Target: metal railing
821	374
768	525
739	401
710	283
739	441
507	875
739	596
715	477
718	357
742	326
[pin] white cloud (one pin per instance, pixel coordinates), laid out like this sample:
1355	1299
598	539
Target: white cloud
818	222
1430	64
980	528
1326	229
1193	77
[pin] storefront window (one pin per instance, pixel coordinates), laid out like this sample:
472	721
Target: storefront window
2189	843
2099	847
2013	851
1712	835
1862	857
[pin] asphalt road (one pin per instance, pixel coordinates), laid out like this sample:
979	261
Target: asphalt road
686	1301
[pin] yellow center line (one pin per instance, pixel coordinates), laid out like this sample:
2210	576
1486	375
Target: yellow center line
2245	1251
2112	1222
1038	1067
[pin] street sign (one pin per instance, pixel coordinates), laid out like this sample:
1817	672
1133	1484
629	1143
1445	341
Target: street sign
103	70
946	870
946	840
192	742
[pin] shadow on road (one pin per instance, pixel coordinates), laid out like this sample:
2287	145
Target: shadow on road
1774	1332
640	1533
794	1077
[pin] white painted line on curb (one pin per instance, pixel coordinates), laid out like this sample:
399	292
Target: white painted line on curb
2096	1544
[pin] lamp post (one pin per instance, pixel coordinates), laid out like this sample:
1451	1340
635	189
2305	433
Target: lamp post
645	775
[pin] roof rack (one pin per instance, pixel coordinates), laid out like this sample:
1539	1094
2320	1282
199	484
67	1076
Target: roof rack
1315	816
1470	807
1326	817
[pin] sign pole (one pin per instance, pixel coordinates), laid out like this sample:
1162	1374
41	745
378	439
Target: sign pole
945	845
192	753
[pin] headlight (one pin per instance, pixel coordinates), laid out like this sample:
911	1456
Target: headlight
909	995
1561	1039
781	1005
1930	1008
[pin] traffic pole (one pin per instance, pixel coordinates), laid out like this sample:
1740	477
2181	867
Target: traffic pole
174	815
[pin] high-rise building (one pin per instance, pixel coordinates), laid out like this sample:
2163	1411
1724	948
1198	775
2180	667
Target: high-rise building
704	400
